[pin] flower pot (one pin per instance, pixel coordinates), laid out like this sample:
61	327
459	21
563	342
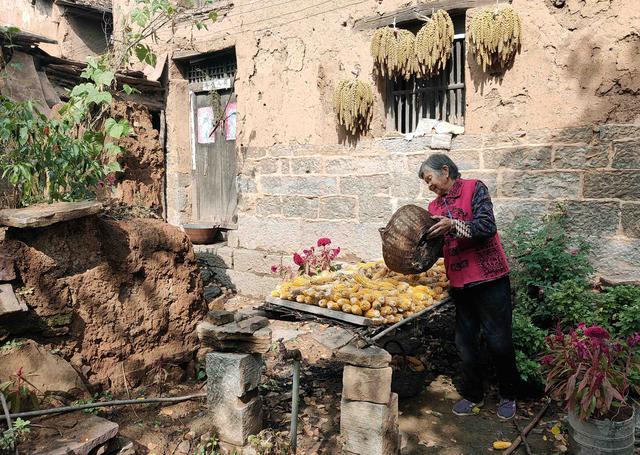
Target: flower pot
200	234
596	437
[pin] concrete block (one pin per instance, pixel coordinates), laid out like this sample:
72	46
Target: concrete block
617	259
300	207
593	217
255	261
546	185
366	384
337	208
369	428
581	156
612	184
618	131
230	374
269	205
440	142
406	185
235	419
247	283
246	184
630	219
401	145
626	155
524	157
310	165
467	141
374	209
373	185
257	233
489	178
506	211
310	185
267	166
359	166
370	357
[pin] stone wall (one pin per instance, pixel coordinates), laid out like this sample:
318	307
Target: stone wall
291	196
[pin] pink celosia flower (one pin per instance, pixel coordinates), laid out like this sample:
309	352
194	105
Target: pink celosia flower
274	269
323	241
297	259
596	332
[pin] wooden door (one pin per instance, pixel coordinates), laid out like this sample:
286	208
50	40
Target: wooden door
214	156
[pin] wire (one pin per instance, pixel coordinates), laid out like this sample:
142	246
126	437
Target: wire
293	20
102	404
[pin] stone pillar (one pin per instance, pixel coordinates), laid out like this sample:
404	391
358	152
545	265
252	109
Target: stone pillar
232	395
233	372
368	410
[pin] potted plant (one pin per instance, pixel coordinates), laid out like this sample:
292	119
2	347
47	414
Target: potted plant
592	374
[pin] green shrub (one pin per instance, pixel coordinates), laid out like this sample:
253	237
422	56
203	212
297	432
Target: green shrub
622	306
542	254
528	341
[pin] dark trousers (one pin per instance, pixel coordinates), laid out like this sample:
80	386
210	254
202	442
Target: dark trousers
485	307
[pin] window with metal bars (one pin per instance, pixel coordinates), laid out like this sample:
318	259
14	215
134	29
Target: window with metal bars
212	69
441	97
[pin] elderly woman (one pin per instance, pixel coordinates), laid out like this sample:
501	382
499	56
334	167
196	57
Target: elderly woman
478	273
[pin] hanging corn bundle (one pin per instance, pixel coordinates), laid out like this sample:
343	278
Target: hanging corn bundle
393	51
353	104
433	44
495	37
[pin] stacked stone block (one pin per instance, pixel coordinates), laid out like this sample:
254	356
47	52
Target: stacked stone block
292	195
233	372
232	395
368	410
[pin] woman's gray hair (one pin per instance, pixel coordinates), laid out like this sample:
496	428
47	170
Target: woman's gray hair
435	163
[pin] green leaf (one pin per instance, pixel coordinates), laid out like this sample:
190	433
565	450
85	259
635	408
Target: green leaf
213	16
141	52
129	90
103	77
113	167
116	131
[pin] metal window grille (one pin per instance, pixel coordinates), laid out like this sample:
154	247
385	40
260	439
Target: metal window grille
440	97
212	69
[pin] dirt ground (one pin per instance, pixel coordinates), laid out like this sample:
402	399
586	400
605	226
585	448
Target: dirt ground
426	423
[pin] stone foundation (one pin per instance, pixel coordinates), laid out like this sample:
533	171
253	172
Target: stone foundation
292	195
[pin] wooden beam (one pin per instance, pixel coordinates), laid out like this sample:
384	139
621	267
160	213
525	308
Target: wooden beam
408	14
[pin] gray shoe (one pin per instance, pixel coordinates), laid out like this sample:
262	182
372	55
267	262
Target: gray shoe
506	409
465	407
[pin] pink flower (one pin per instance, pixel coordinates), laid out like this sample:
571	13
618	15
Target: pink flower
324	241
633	340
274	269
297	259
596	332
547	360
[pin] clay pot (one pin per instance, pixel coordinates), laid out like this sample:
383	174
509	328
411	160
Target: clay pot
200	234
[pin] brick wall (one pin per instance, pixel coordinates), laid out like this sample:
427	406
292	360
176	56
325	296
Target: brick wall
291	195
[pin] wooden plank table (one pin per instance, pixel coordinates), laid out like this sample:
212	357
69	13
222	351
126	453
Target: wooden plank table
346	317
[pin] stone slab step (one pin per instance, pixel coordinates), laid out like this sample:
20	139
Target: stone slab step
9	303
81	433
47	214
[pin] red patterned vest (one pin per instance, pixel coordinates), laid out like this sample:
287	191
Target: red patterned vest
468	260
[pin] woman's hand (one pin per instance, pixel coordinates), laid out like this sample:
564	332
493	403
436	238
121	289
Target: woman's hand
443	226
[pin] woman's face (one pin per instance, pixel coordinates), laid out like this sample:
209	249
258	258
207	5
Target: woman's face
438	182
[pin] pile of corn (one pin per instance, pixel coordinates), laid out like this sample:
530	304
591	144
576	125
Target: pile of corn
369	289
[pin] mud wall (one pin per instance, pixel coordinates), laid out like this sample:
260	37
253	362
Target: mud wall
578	66
113	296
78	36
